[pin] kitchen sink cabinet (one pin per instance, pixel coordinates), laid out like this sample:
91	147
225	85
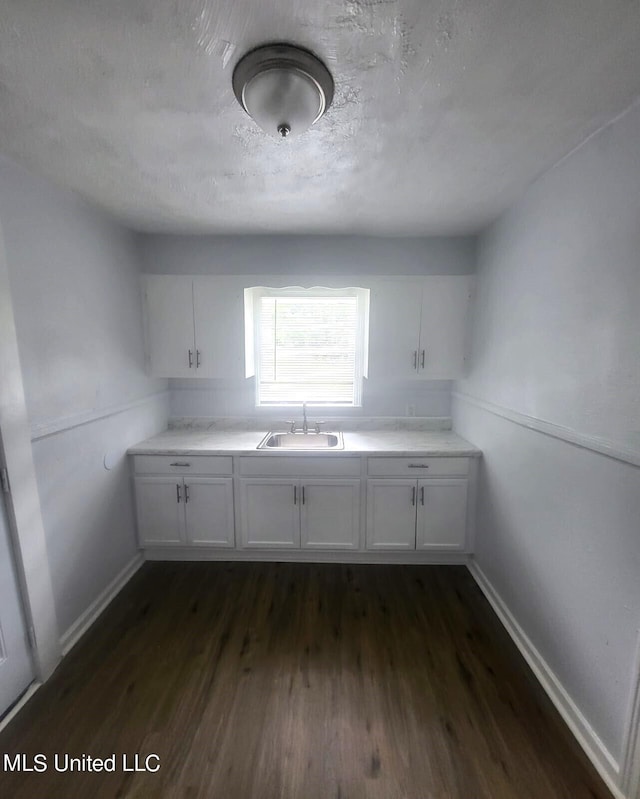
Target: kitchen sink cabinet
269	513
330	514
191	506
313	513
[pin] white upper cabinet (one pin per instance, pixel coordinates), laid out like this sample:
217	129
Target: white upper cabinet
194	326
418	327
394	329
443	327
218	304
170	335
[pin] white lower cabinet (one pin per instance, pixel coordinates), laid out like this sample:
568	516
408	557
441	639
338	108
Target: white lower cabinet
441	519
304	503
330	514
179	504
416	514
209	511
391	514
313	513
161	518
269	513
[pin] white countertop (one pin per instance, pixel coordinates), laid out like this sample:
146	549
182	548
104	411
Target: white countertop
434	443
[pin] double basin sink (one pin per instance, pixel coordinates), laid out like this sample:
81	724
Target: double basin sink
301	441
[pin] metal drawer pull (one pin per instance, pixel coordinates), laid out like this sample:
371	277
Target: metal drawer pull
186	494
418	465
423	359
415	359
178	492
422	495
190	358
413	495
303	495
179	464
198	359
295	495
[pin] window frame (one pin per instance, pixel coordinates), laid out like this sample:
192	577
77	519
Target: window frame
253	296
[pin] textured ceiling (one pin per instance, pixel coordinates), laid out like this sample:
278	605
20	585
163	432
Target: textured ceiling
443	111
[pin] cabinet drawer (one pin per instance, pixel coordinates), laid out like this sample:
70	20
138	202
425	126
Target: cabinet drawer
418	467
285	466
183	464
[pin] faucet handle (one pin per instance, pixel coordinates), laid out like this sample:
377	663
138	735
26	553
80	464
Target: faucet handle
292	425
317	426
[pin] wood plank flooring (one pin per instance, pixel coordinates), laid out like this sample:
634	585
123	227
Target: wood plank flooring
298	681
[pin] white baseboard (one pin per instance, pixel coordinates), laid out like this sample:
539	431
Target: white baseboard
606	765
306	556
80	626
26	696
631	759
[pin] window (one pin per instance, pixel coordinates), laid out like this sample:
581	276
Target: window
307	345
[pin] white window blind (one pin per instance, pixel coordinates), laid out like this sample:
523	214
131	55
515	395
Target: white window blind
309	345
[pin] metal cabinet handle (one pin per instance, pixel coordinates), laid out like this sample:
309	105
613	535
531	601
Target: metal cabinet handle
178	496
303	495
422	495
295	495
422	362
198	359
413	496
418	466
190	358
186	493
179	464
415	359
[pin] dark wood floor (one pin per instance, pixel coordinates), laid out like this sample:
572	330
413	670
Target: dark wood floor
257	681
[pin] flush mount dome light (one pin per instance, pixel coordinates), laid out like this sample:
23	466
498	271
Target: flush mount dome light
284	88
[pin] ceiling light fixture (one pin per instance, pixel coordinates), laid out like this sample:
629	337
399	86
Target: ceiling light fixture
284	88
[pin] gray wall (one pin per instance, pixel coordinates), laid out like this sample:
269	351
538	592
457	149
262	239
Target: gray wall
75	288
319	256
556	340
306	255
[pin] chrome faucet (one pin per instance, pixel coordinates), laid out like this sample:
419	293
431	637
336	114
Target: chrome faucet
305	422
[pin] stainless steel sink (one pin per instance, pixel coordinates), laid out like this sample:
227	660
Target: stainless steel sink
302	441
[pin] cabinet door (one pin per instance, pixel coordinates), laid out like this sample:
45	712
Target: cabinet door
394	329
330	514
209	511
219	324
442	514
270	513
391	514
168	305
160	509
445	308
